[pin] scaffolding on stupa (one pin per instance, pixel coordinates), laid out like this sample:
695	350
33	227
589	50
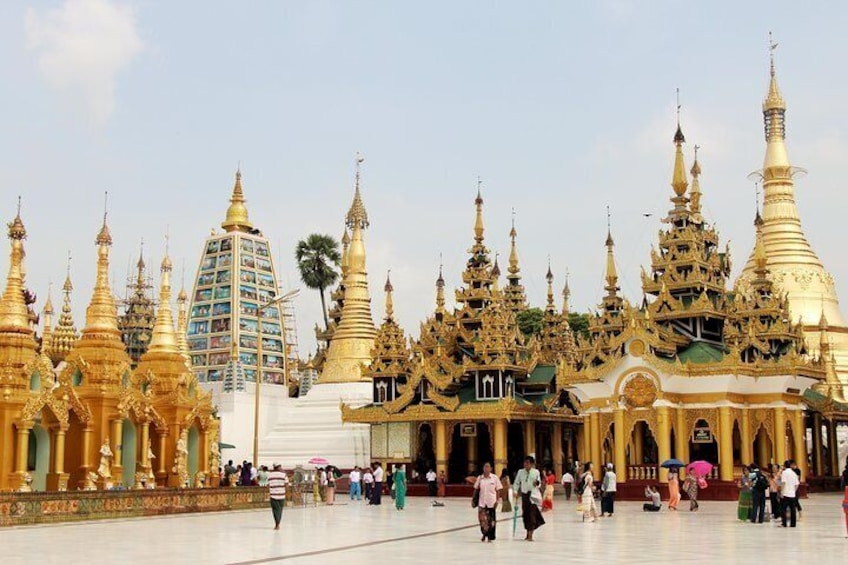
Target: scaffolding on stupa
139	312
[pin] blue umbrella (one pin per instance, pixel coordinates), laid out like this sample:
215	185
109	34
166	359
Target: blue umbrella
672	464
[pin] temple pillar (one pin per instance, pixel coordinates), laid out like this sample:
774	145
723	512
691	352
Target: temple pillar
639	443
747	449
595	446
117	451
471	453
22	452
818	448
145	438
203	464
162	456
620	445
681	439
500	437
441	436
663	439
799	437
779	435
763	458
556	449
530	438
725	444
58	479
832	448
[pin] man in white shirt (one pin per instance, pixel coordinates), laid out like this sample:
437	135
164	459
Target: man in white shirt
377	492
368	481
789	483
355	486
608	488
568	484
432	486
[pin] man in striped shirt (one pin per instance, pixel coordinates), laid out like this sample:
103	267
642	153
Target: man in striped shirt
277	481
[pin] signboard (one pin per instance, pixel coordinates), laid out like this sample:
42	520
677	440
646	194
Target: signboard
468	430
702	434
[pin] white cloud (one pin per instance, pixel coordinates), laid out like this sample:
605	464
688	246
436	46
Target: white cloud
82	46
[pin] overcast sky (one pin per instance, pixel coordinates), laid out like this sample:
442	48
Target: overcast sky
561	108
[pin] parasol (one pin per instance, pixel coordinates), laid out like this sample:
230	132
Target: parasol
320	461
700	468
672	464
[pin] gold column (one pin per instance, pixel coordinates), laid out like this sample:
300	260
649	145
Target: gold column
620	446
556	448
595	447
639	443
118	450
22	451
203	464
725	444
87	464
500	434
681	439
763	448
800	438
471	447
59	454
818	448
441	446
832	448
779	435
663	439
747	451
530	438
162	455
145	437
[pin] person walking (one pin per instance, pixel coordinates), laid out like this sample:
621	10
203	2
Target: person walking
506	491
400	485
774	492
690	487
568	483
330	488
673	488
377	492
368	481
759	488
442	482
548	498
432	487
608	488
527	483
487	486
277	481
743	508
587	495
788	493
355	485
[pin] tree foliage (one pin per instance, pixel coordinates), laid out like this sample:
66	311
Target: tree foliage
530	321
317	258
579	323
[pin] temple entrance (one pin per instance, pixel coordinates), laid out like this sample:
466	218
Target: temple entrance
544	445
737	447
129	452
38	457
608	446
643	446
701	447
762	448
426	458
484	447
515	447
193	451
458	458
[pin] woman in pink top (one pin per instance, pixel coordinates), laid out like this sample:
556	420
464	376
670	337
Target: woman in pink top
488	485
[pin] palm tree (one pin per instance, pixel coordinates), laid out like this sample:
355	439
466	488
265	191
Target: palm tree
317	258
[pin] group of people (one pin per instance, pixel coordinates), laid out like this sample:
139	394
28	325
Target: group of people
244	475
368	482
775	484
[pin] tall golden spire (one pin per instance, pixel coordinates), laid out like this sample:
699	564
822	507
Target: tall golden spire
65	335
440	292
351	342
345	264
388	288
164	339
47	327
678	179
101	316
695	190
566	294
13	309
182	323
496	275
549	276
513	252
611	275
237	218
478	222
808	286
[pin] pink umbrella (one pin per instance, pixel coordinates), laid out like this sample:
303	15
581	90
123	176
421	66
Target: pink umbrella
700	468
318	461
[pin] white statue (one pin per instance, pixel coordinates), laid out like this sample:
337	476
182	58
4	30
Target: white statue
181	459
214	456
105	469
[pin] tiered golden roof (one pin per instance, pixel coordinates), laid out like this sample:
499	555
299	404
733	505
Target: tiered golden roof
390	355
557	340
514	295
65	335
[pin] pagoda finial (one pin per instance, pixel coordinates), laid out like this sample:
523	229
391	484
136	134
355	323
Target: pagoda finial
774	116
566	294
549	276
13	308
101	316
496	274
478	223
695	190
388	288
440	289
104	237
357	216
611	274
237	218
678	180
513	252
164	338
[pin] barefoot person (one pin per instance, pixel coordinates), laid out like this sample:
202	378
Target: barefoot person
277	481
527	483
488	486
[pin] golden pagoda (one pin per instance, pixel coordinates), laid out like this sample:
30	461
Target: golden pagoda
93	422
353	337
793	265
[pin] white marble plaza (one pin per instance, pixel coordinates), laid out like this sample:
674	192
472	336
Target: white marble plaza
355	533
